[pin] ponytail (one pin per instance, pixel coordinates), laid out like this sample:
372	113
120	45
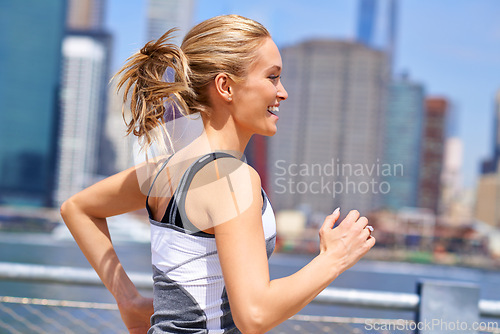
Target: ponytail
223	44
151	96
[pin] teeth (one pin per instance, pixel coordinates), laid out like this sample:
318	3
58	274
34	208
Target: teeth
273	109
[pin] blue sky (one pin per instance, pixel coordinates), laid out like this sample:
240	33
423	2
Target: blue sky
452	47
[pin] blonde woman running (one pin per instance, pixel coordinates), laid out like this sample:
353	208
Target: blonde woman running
212	225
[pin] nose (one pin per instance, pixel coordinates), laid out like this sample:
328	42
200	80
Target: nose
282	93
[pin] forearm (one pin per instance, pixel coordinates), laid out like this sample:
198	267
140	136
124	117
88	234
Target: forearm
286	296
92	236
299	289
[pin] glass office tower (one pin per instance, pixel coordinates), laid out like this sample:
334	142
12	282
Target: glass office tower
403	142
31	32
376	25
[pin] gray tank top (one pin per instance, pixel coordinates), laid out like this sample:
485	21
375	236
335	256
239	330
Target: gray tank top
189	290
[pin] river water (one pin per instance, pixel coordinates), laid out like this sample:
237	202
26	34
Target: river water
49	249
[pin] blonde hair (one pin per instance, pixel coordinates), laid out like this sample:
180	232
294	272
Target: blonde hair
222	44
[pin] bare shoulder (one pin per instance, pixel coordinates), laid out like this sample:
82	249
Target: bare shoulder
224	189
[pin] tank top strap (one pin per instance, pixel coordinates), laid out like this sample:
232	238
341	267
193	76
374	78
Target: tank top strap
152	183
176	210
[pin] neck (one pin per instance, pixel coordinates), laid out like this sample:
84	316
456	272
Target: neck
225	138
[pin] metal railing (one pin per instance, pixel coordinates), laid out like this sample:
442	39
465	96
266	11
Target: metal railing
446	301
37	315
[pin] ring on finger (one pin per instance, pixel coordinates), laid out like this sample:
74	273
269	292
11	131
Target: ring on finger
370	228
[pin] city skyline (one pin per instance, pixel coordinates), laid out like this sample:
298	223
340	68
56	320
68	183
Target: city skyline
340	117
451	59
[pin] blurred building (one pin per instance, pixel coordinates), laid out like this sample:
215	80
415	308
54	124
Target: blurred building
432	153
84	71
86	14
491	165
416	228
496	138
32	33
487	208
455	207
116	130
84	151
87	17
376	25
257	155
163	15
328	148
403	141
290	223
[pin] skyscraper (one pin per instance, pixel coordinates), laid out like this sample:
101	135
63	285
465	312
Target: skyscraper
488	191
330	127
84	71
167	14
82	147
433	153
496	138
86	14
452	192
491	164
366	21
31	38
403	141
376	25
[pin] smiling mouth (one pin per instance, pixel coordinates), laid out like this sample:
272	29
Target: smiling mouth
273	110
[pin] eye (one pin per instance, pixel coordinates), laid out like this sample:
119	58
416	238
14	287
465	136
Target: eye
275	78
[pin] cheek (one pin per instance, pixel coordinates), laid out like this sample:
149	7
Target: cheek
258	94
267	94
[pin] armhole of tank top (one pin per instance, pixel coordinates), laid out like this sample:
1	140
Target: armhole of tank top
264	199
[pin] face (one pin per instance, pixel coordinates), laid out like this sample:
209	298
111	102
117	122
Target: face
257	98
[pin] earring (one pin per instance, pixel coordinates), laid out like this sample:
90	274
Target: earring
230	99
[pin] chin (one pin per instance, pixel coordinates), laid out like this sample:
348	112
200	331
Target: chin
272	133
269	132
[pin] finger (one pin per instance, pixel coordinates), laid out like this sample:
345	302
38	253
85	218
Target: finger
367	232
331	219
362	222
352	216
370	242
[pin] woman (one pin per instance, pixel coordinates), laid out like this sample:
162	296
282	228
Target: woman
212	225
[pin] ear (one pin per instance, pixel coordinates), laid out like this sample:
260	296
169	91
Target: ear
223	86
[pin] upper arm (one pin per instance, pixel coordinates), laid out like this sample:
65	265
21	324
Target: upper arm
241	245
117	194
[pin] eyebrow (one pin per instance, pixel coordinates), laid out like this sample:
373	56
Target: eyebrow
275	67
